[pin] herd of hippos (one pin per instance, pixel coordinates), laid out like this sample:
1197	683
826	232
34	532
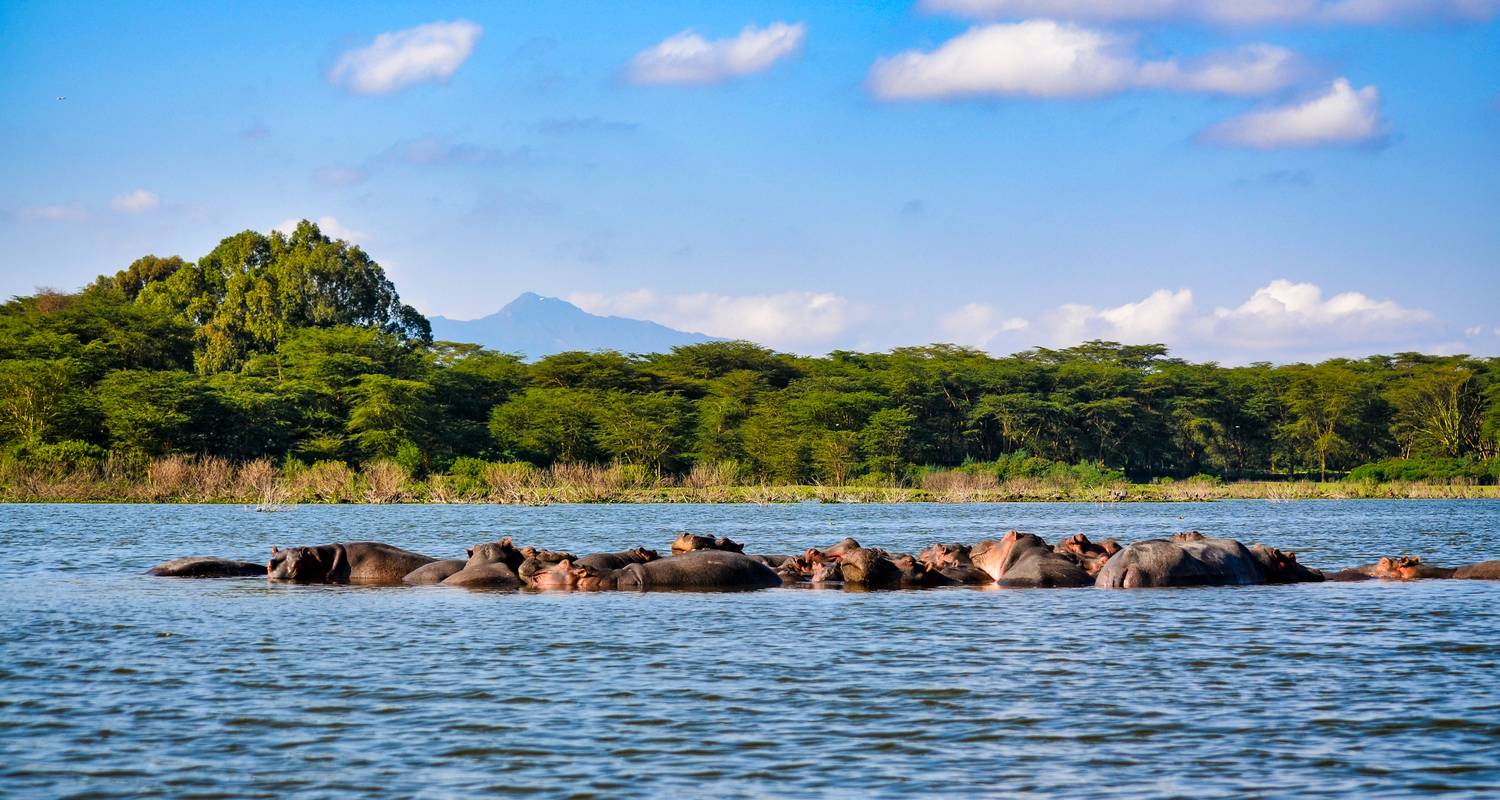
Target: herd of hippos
706	563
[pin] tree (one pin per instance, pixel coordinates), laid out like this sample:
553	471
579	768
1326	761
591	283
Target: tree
38	399
253	290
887	441
546	425
1439	411
389	413
646	429
1324	403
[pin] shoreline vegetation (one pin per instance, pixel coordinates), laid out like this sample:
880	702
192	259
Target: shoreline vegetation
285	368
259	483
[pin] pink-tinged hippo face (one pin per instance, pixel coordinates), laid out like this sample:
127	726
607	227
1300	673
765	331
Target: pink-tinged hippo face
565	575
827	571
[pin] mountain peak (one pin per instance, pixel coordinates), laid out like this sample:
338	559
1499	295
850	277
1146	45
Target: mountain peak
538	326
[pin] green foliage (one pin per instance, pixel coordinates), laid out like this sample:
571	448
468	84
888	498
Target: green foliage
296	349
1432	469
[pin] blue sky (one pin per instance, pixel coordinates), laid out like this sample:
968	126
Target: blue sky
1322	179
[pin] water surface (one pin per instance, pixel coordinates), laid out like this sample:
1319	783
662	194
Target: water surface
113	683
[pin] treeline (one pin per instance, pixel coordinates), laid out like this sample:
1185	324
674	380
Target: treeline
297	349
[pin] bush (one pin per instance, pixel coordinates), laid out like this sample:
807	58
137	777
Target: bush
61	458
1434	470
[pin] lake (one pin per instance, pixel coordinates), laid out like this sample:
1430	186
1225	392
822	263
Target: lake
113	683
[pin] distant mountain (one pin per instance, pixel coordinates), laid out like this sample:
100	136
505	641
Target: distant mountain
537	326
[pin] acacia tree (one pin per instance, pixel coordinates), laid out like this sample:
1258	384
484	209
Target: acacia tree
1439	410
1323	402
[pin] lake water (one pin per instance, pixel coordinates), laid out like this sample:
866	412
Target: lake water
113	683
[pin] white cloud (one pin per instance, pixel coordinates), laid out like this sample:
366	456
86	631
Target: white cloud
397	59
330	227
1280	317
1287	314
68	213
1340	116
978	324
792	320
1224	12
688	58
1474	330
136	202
1043	58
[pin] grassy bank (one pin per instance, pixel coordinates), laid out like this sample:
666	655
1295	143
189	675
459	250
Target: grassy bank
215	480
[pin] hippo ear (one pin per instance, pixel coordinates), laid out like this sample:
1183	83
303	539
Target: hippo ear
470	551
505	542
274	551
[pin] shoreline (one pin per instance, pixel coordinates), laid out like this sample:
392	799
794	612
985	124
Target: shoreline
280	497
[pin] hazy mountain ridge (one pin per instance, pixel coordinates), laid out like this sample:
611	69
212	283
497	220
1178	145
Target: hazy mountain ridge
537	326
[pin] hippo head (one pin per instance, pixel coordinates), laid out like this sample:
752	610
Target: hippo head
646	556
1188	536
1085	553
547	556
557	575
565	574
688	542
943	556
728	544
1280	566
827	571
844	546
298	565
501	552
1404	568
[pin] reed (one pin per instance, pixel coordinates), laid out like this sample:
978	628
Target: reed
180	478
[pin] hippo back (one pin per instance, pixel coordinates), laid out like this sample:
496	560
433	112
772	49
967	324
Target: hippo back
1483	571
207	567
1190	562
700	570
436	572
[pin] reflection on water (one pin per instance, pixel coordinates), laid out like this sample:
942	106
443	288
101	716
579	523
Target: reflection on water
115	683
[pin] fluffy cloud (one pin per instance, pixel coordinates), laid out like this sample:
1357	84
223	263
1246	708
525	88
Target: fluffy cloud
1281	316
397	59
136	202
1224	12
688	58
1287	314
791	320
1043	58
68	213
978	324
330	226
1340	116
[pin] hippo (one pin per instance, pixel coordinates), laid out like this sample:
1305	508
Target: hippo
869	567
1393	568
690	542
348	562
570	576
915	573
1280	566
698	569
1024	559
207	567
1192	559
614	561
844	546
489	566
436	572
548	556
955	563
1089	555
1483	571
